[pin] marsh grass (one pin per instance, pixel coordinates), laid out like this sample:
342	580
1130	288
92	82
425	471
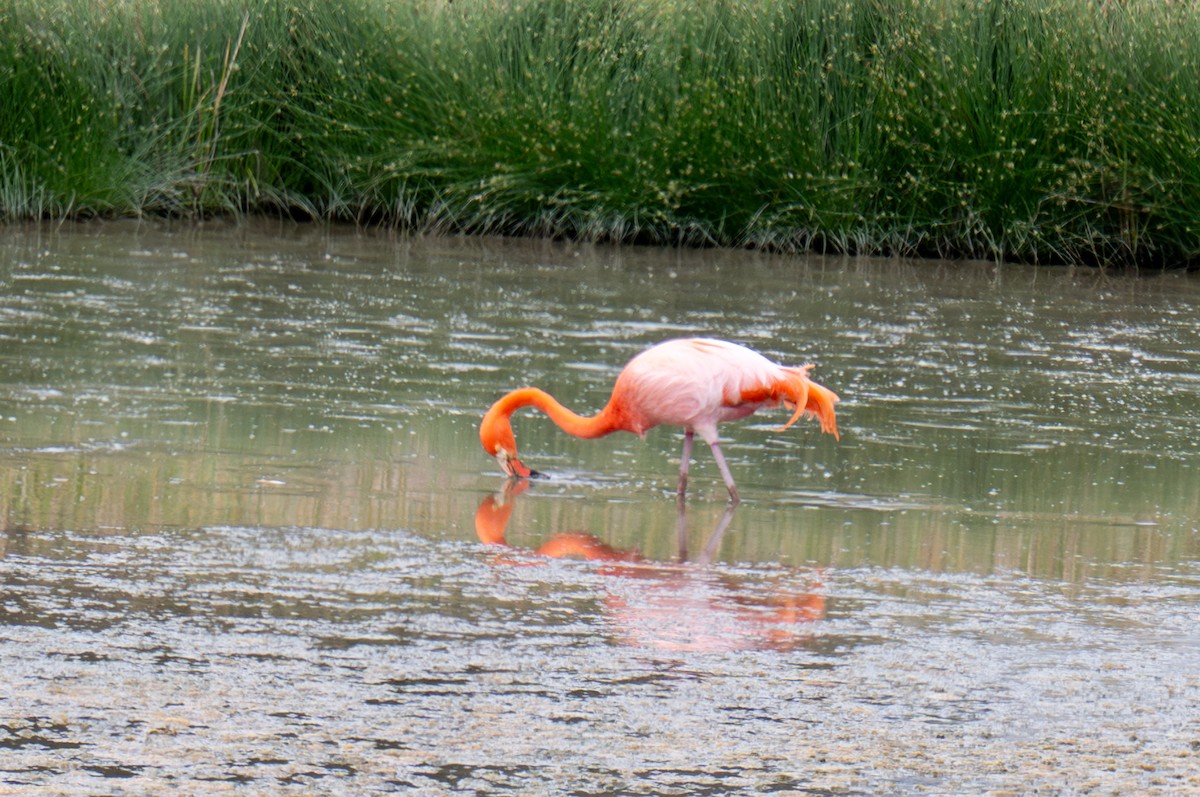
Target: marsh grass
1039	130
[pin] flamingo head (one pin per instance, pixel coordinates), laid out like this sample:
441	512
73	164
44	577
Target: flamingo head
496	435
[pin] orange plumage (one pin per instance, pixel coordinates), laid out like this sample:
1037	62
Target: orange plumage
695	383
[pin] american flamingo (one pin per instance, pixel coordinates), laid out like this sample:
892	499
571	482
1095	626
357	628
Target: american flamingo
695	383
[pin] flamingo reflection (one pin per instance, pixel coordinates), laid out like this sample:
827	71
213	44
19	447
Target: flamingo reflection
679	606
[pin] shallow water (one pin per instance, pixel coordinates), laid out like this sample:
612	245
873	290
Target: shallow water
251	542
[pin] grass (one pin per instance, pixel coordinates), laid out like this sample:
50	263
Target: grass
1035	130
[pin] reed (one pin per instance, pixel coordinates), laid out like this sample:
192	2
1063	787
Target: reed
1037	130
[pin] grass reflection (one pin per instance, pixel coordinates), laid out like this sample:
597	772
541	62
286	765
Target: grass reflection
428	479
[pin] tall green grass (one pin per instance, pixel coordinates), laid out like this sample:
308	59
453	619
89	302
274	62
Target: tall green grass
1040	130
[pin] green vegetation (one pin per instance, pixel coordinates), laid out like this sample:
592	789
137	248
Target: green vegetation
1041	130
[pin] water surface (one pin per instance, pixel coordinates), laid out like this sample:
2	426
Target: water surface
252	544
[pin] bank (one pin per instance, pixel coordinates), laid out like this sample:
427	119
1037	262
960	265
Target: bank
1065	131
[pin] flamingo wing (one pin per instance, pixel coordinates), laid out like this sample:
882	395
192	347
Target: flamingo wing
698	383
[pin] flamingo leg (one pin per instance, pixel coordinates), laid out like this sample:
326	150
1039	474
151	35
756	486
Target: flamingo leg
681	527
685	458
734	498
714	542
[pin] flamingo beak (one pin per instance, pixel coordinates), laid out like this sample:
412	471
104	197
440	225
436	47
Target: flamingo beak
515	468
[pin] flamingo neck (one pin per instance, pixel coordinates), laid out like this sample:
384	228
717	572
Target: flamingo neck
598	425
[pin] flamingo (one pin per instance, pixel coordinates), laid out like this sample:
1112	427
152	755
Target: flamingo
695	383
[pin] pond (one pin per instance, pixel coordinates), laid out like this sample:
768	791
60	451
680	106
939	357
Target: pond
252	544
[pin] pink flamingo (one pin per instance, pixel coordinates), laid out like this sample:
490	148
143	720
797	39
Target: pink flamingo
695	383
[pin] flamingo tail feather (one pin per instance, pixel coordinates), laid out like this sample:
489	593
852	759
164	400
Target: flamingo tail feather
806	397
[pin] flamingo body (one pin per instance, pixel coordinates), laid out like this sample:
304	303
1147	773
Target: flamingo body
693	383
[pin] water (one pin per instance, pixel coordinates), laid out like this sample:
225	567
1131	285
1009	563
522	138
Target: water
252	545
